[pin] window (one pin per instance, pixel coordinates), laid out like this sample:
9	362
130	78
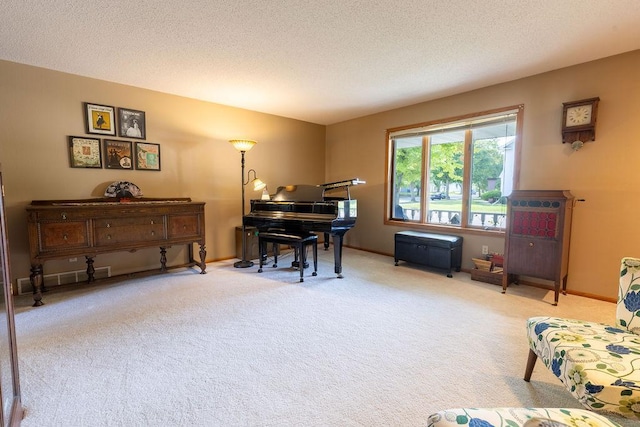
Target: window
456	172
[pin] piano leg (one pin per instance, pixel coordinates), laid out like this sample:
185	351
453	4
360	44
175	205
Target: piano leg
337	254
326	241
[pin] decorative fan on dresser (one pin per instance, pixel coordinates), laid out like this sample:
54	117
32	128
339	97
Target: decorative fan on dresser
123	190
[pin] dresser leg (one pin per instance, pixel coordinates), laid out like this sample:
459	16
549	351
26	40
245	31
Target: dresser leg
163	259
203	256
37	280
90	270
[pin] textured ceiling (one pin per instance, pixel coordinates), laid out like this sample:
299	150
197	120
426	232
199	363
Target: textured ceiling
322	61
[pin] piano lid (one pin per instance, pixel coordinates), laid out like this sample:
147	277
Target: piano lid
311	193
299	193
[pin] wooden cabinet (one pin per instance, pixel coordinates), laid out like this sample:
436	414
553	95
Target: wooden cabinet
251	250
11	411
61	229
537	236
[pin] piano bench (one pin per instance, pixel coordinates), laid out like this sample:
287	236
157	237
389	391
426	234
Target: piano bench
298	241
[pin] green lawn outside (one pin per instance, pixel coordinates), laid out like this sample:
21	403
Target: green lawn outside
479	206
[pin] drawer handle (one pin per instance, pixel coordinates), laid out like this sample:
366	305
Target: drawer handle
108	225
184	227
530	244
65	237
64	215
153	233
152	222
108	236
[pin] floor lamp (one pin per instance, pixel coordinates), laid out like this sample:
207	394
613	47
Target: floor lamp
244	145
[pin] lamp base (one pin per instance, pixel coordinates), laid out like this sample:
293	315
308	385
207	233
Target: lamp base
243	264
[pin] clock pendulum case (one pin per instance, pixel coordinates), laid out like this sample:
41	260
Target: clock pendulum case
579	120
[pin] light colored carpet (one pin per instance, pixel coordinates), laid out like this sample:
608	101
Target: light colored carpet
385	346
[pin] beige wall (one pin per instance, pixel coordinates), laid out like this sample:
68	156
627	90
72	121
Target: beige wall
40	108
604	172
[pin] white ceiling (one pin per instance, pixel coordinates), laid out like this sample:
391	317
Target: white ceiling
321	61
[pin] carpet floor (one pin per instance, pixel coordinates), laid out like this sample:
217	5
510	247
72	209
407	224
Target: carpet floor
384	346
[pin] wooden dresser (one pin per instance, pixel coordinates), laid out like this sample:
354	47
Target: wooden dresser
537	236
61	229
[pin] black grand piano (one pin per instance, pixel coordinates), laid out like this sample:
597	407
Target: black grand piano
326	208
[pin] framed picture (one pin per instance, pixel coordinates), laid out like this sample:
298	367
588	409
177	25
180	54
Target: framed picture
131	123
100	119
147	156
84	152
117	154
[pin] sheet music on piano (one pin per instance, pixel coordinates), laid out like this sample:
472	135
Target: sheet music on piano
341	185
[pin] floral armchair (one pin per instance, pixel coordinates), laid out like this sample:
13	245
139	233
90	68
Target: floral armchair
599	364
516	417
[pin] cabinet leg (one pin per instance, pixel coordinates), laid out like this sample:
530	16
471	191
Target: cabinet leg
163	259
203	256
37	280
90	270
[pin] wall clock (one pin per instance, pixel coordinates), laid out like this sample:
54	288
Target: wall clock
579	120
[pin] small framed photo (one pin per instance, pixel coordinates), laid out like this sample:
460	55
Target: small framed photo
117	154
84	152
147	156
131	123
100	119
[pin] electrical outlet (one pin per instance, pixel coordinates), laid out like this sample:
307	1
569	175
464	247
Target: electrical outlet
485	249
73	259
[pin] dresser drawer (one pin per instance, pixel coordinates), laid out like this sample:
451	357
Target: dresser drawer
54	236
183	225
58	215
128	221
115	231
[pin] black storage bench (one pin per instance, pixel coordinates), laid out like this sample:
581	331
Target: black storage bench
440	251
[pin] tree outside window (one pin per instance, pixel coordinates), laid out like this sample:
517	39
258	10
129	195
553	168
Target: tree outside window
434	182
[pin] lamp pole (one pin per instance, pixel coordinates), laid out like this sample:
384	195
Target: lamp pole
244	263
243	145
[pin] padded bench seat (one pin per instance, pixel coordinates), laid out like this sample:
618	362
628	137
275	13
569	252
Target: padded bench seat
298	241
434	250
